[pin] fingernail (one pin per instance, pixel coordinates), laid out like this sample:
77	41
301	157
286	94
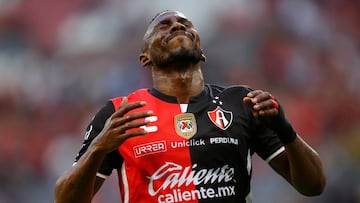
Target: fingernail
151	118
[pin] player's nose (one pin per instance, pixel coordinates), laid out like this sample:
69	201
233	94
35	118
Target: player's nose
177	26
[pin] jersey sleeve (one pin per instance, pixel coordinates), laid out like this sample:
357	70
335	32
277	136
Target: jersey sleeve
113	159
265	142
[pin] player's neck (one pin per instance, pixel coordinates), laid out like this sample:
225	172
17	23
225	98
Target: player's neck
180	84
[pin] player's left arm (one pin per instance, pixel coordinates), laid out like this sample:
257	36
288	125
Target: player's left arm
299	164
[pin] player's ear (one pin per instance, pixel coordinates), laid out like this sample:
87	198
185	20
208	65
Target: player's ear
144	60
203	57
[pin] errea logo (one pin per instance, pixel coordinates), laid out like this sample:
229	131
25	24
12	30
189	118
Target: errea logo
149	148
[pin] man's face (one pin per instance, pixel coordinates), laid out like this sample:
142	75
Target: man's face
171	38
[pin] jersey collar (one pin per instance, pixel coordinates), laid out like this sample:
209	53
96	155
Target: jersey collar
196	103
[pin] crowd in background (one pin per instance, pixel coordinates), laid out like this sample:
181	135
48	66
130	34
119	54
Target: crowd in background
60	61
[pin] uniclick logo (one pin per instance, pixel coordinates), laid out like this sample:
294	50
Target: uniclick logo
175	178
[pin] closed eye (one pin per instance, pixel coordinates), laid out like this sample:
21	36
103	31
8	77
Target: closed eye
164	24
185	22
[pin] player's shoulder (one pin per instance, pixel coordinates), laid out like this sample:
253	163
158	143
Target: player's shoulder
231	90
133	96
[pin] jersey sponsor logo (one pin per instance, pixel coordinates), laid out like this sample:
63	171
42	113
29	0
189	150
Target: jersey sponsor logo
187	143
170	182
221	118
149	148
185	125
224	140
178	195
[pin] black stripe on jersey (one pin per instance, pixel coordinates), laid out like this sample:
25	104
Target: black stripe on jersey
93	130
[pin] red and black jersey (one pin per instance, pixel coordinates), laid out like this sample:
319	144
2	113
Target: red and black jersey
201	152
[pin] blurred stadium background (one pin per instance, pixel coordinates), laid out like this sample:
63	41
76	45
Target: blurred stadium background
61	60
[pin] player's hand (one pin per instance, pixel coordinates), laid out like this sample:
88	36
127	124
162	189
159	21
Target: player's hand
121	126
269	111
261	103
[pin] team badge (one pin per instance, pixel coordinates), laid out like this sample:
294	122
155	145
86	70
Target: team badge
185	125
221	118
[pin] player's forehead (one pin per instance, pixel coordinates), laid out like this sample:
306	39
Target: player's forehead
163	16
167	14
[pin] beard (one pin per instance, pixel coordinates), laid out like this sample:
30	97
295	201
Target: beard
183	56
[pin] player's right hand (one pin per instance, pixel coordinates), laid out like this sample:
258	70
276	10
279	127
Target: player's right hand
118	128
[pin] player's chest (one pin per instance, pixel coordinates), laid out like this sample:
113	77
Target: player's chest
174	134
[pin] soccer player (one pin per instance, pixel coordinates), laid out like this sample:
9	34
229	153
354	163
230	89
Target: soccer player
183	140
